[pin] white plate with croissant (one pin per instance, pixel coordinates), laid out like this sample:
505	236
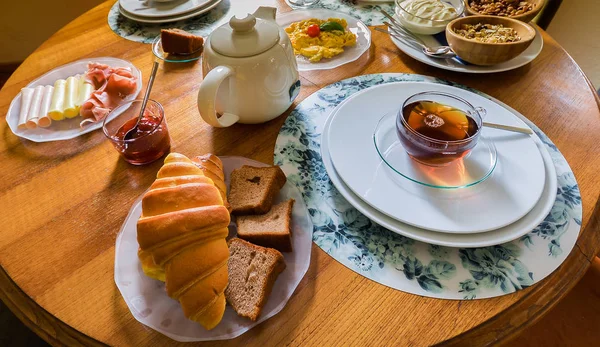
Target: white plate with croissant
182	244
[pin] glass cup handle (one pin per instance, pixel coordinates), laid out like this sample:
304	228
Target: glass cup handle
482	112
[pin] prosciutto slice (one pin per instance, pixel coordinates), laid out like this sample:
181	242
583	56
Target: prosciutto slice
112	86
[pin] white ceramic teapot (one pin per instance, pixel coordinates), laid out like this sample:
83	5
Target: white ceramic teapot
250	71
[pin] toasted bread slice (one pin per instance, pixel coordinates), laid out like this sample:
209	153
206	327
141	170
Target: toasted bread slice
252	189
177	41
252	274
272	229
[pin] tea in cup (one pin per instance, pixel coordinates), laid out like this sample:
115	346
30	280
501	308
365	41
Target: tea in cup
437	128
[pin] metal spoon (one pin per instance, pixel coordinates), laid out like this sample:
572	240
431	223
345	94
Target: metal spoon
508	128
441	52
129	134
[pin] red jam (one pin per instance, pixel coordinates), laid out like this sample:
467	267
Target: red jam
149	142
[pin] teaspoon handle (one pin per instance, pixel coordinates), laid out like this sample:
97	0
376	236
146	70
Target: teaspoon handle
508	128
148	88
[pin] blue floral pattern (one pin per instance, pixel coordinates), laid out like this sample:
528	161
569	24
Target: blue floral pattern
400	262
366	11
201	25
204	24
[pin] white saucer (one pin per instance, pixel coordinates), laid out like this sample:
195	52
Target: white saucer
161	9
167	19
508	194
490	238
455	65
350	54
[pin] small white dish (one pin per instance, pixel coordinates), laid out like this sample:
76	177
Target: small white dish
350	54
162	9
508	194
168	19
158	52
490	238
68	128
148	301
457	65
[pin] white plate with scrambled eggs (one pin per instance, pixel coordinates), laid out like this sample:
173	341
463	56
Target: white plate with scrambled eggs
325	39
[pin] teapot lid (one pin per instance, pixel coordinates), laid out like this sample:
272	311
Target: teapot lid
244	37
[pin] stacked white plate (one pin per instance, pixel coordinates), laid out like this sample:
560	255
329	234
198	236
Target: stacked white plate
514	199
164	11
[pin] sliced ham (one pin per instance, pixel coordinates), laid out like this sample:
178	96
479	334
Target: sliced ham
112	86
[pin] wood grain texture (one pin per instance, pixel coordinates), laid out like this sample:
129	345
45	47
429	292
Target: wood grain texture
64	203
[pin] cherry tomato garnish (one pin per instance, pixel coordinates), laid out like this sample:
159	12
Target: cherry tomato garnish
313	30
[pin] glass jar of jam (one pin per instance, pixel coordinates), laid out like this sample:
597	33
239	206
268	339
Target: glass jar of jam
148	142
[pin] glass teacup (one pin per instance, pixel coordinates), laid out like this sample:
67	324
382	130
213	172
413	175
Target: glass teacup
437	128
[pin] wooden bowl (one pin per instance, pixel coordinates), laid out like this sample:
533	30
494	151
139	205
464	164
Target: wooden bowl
525	17
481	53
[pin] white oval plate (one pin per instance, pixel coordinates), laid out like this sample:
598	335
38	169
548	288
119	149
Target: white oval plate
360	29
148	301
68	128
454	65
161	9
508	194
490	238
167	19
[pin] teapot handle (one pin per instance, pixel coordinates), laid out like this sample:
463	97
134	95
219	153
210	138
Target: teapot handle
207	96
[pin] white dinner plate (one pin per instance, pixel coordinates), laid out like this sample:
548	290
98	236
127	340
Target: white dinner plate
455	65
161	9
148	301
490	238
508	194
167	19
68	128
350	54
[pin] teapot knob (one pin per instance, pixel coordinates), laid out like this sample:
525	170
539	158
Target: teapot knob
242	25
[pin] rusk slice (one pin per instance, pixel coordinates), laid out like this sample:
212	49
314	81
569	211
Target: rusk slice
177	41
272	229
252	274
252	189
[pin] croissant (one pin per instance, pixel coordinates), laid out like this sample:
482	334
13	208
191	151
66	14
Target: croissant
212	167
181	234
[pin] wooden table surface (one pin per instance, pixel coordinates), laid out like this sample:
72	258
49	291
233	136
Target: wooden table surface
63	203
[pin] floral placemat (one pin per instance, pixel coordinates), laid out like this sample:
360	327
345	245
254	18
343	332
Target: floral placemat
400	262
201	25
366	11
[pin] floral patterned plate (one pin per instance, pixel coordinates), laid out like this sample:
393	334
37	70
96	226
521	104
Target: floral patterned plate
398	261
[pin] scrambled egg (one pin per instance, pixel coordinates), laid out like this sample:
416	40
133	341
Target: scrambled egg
326	45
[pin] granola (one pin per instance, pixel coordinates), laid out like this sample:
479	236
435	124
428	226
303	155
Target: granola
488	33
504	8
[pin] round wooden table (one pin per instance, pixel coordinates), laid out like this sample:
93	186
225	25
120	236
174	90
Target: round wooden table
63	203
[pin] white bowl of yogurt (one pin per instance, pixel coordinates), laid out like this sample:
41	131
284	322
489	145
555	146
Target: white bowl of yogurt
428	17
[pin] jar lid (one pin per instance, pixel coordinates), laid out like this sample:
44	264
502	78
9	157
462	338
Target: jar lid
244	37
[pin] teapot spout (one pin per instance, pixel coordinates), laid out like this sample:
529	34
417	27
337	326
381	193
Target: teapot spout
266	13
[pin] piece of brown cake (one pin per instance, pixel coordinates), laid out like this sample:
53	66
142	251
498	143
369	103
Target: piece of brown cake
252	273
252	189
177	41
272	229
